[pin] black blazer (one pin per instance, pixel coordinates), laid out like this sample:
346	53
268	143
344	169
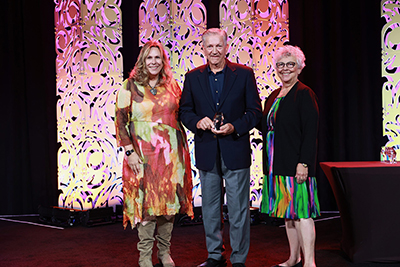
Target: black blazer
296	130
241	106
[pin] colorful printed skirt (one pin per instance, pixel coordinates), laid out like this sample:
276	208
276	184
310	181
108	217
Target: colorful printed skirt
283	197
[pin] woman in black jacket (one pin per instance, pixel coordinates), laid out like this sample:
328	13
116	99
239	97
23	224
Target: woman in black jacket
289	127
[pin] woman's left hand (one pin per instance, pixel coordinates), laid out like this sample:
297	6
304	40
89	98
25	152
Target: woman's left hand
301	173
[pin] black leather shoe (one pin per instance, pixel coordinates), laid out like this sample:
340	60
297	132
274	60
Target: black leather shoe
213	263
238	265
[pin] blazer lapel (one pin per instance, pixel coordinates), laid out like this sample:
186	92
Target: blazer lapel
230	77
205	86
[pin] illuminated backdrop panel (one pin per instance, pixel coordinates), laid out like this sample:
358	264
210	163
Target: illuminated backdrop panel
89	72
391	73
178	25
256	28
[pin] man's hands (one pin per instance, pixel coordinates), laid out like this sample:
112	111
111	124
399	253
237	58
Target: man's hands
225	129
207	124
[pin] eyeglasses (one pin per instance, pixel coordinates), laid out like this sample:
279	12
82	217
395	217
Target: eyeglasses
289	64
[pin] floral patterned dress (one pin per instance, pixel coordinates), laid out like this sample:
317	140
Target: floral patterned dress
283	197
150	123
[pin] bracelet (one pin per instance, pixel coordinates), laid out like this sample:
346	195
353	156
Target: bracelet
129	152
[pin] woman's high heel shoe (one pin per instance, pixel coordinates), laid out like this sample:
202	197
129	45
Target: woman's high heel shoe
296	265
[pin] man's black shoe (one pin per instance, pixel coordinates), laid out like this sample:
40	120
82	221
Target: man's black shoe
213	263
238	265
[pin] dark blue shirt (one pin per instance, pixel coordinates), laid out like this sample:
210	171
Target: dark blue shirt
216	84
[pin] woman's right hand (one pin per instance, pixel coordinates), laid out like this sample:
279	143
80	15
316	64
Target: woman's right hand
134	162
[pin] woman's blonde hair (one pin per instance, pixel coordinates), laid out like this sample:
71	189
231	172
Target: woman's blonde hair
140	73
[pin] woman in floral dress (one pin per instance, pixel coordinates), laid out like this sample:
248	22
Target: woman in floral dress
157	181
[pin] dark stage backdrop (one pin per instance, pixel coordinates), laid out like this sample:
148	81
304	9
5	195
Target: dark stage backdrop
342	44
341	40
28	170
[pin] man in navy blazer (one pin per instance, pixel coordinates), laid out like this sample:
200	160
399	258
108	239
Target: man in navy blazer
225	153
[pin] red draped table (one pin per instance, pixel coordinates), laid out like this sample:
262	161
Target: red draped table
367	195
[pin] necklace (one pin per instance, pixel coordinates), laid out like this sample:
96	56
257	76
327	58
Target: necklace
153	89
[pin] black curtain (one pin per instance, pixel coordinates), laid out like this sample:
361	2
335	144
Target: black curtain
28	107
130	28
341	41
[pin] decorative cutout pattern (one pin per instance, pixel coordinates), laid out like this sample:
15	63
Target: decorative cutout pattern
256	28
391	72
89	72
178	25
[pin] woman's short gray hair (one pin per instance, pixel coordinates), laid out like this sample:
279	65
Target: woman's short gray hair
287	51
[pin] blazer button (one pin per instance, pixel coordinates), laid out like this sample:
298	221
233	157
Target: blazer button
215	136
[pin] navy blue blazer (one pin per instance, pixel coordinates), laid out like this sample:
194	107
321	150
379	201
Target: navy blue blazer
240	103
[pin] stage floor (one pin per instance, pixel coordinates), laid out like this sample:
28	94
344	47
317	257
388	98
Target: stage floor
25	244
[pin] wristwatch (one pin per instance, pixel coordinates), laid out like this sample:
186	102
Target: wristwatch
129	152
304	165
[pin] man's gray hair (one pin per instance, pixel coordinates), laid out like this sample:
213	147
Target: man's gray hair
214	31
